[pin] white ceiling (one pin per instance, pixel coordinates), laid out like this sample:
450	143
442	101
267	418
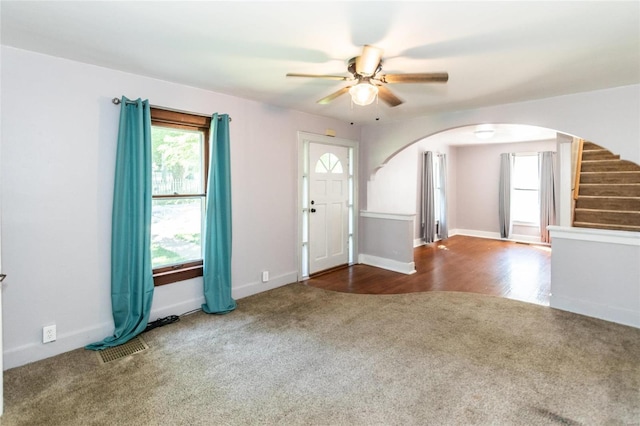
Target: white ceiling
501	133
494	52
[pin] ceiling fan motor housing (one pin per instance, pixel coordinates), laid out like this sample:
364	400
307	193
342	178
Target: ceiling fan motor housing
351	67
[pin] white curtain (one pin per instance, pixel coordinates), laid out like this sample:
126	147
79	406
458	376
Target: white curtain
546	161
428	202
443	229
434	201
504	201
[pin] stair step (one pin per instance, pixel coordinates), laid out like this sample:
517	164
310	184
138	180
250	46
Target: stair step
605	226
609	203
589	146
610	190
599	154
610	217
608	166
610	177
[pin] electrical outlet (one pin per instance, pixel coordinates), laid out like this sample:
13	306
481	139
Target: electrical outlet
48	334
265	276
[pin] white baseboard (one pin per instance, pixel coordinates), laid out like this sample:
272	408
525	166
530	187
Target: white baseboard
474	233
258	287
596	310
32	352
36	351
517	238
407	268
66	342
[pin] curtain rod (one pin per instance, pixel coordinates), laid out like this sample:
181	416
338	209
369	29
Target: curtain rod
526	153
117	101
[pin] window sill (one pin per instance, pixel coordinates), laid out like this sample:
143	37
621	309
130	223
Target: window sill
526	224
172	274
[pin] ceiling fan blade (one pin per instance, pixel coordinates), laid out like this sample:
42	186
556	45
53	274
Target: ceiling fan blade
388	97
434	77
327	77
367	63
334	95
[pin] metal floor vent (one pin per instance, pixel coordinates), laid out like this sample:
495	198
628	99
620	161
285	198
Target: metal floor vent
133	346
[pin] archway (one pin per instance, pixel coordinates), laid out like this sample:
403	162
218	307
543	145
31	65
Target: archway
395	189
473	193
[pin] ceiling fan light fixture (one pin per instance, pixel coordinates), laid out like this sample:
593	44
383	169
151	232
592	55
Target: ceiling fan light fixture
363	93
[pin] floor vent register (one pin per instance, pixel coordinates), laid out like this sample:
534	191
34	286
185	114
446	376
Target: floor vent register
133	346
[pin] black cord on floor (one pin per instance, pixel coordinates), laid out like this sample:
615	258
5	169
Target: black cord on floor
161	321
193	311
168	320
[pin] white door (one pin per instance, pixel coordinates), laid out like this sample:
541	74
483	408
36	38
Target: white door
1	364
328	206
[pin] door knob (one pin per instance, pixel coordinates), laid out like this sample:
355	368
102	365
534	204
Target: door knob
313	210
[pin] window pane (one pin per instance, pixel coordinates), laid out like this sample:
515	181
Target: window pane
525	172
322	166
329	163
337	167
176	231
177	161
524	206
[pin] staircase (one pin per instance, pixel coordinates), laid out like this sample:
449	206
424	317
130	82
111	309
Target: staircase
608	191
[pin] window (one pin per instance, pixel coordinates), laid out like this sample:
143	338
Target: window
179	148
329	163
525	204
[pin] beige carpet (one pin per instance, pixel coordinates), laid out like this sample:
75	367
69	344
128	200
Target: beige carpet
300	355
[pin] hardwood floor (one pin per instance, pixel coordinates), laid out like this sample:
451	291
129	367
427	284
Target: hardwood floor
460	263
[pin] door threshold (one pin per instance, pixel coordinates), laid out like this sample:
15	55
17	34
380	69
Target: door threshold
326	271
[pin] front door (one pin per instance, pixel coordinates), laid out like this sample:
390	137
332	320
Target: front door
328	206
2	276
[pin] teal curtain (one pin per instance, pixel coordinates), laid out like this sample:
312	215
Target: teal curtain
217	229
131	272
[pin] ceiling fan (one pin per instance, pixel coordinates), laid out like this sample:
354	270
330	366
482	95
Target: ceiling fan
366	72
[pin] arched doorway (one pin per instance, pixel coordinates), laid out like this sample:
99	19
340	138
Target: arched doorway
472	197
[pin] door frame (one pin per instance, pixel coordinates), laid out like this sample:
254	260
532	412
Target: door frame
302	202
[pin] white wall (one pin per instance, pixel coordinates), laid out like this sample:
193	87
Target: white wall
607	117
395	187
392	188
472	186
477	172
387	241
596	272
59	132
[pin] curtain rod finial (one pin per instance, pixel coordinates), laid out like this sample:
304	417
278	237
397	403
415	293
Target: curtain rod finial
116	101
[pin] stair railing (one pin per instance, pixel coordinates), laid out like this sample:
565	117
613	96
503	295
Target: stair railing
576	179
